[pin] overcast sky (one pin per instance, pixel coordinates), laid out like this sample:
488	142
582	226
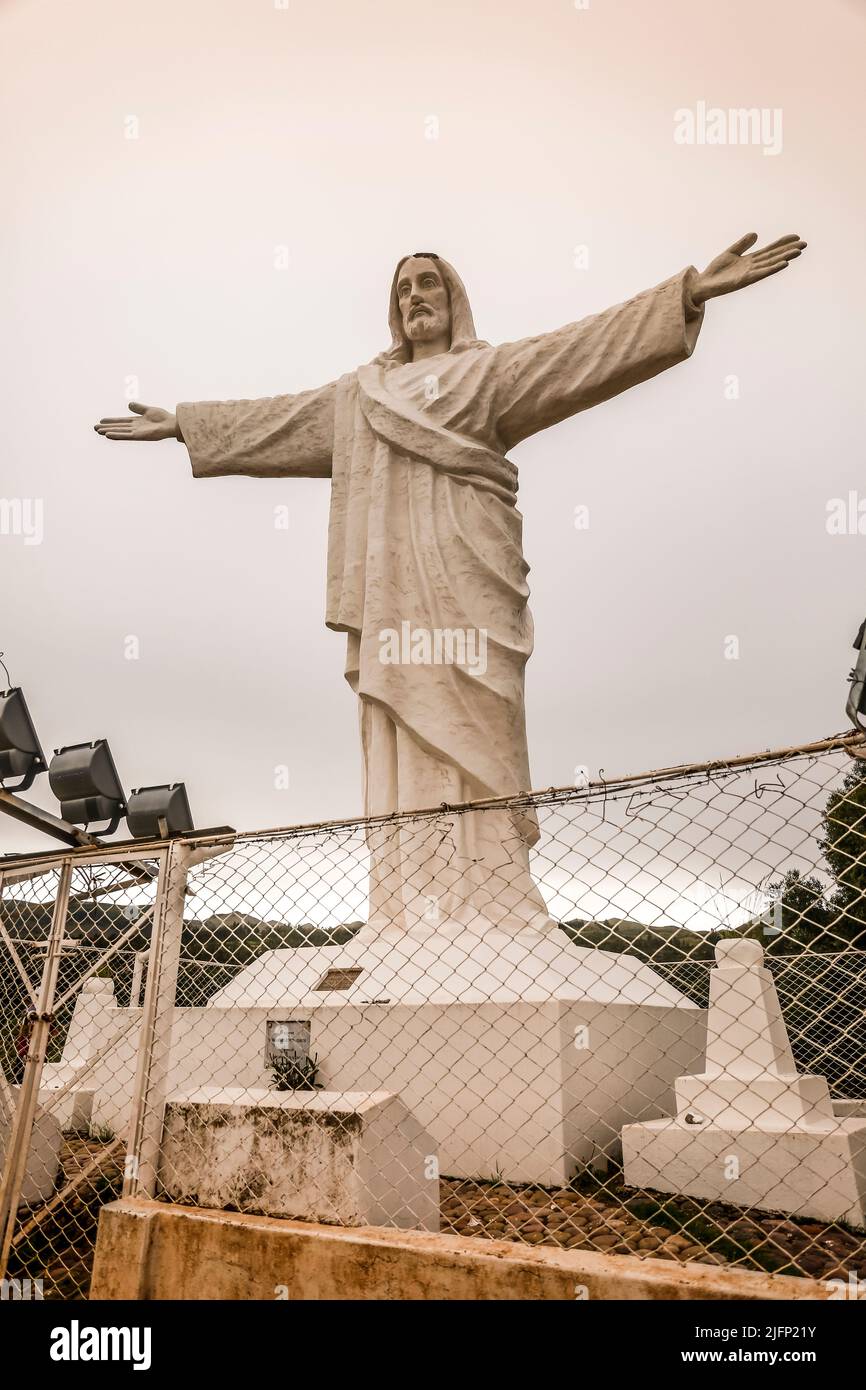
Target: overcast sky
207	200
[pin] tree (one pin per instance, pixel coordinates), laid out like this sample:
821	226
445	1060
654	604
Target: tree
802	913
844	848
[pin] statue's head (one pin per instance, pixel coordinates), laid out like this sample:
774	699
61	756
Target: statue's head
429	306
423	300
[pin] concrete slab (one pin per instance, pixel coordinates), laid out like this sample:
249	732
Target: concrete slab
149	1250
352	1158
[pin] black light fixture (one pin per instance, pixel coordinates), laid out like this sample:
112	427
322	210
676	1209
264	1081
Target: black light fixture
85	781
857	696
154	813
20	751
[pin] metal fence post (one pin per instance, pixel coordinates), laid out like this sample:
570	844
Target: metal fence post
7	1095
137	977
154	1051
28	1097
154	1047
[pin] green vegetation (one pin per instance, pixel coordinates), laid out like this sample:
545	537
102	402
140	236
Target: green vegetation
291	1075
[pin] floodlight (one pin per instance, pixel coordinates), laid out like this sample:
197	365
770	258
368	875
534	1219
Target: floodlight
20	751
857	697
154	813
85	781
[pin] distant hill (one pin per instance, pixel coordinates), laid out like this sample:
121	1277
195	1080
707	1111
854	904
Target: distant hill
213	949
663	942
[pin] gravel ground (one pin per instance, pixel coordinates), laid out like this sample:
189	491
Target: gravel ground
60	1251
622	1221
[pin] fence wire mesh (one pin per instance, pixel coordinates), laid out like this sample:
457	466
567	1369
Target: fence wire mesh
644	1035
72	1163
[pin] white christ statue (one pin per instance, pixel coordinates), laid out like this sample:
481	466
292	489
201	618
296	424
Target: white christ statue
426	575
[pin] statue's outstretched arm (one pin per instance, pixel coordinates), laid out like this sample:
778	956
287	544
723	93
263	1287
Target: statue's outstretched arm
276	436
542	380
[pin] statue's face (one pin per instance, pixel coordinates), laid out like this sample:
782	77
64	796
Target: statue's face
423	299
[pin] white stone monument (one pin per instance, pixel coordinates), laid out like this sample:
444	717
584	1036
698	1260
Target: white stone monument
550	1048
750	1129
426	576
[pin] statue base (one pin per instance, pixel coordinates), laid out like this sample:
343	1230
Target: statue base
522	1056
451	964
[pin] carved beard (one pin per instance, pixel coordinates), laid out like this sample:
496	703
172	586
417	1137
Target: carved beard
424	325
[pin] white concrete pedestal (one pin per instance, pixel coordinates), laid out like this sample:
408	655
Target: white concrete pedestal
808	1172
351	1159
749	1129
43	1155
522	1055
93	1022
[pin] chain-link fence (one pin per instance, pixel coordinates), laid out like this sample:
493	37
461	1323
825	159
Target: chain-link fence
72	937
639	1029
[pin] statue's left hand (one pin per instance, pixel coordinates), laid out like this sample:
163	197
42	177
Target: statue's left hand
733	269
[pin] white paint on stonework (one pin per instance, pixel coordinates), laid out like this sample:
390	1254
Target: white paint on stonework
750	1129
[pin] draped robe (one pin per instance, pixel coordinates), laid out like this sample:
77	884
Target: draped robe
424	529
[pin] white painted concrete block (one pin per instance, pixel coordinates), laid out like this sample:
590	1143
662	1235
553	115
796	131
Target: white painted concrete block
353	1159
43	1155
772	1102
90	1024
816	1172
749	1129
93	1024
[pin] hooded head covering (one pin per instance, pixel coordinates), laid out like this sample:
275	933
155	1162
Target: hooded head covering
462	323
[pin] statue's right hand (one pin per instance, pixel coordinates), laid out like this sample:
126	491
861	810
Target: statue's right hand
148	422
